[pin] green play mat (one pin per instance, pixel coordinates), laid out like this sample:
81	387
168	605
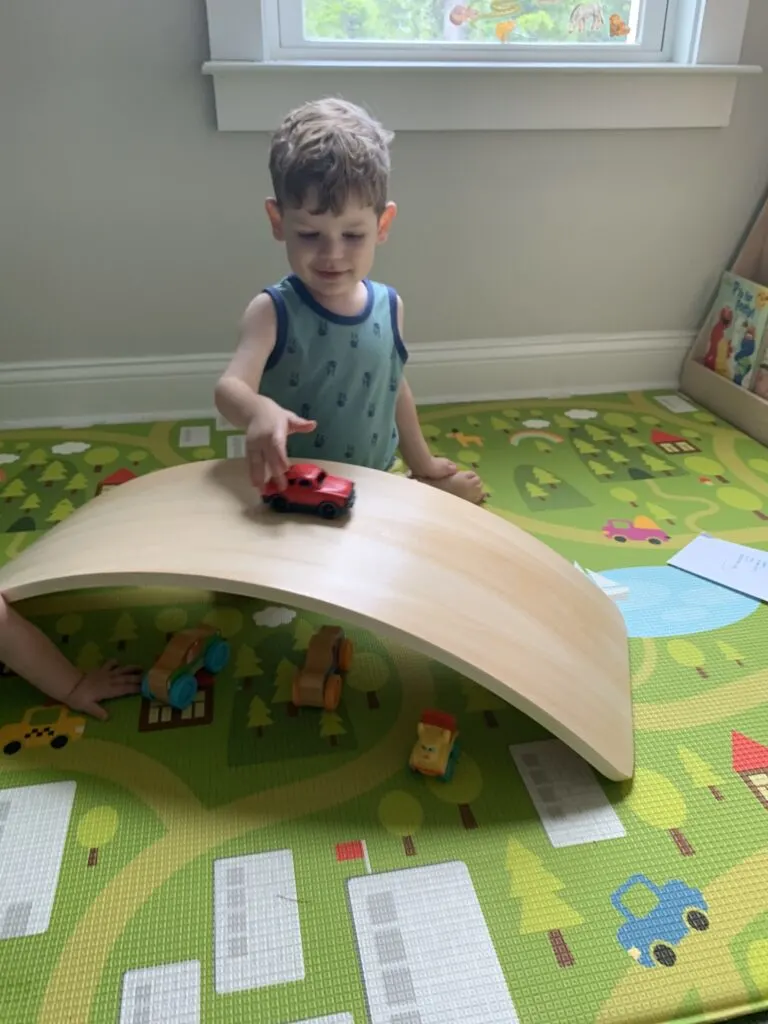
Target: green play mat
246	861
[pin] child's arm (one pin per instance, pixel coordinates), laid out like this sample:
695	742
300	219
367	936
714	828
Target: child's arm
413	447
267	425
31	655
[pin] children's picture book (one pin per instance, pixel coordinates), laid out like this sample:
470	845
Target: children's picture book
760	383
735	329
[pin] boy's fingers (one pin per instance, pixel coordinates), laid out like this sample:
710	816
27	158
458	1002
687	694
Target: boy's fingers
298	425
92	708
123	689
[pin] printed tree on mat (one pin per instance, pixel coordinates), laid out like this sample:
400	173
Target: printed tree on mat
584	447
138	456
258	715
247	665
61	510
286	672
632	441
76	484
98	458
369	673
15	489
687	654
36	459
617	457
465	786
656	465
124	631
229	621
541	489
731	653
331	727
170	621
480	699
96	829
401	815
541	909
624	494
31	503
564	423
53	473
302	634
598	434
601	472
534	491
67	626
659	804
744	501
701	774
545	478
702	466
90	657
659	512
621	421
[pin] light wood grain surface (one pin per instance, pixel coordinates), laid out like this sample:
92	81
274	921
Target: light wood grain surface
437	574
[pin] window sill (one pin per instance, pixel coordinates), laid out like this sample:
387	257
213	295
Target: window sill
483	97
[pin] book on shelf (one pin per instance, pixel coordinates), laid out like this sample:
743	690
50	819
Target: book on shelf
736	331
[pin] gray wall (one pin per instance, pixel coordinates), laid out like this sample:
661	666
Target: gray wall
130	227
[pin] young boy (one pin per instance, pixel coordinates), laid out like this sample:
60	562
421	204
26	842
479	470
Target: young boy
318	371
30	654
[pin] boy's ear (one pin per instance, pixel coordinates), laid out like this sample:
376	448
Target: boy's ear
385	221
275	219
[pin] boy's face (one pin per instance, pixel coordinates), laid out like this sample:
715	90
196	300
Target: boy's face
330	253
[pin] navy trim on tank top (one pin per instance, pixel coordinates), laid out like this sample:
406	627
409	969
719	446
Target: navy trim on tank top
282	328
399	343
335	318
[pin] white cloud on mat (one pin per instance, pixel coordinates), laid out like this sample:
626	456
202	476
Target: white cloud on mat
273	617
536	424
581	414
70	448
8	457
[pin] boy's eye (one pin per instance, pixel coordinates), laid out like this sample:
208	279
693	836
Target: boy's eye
308	234
353	237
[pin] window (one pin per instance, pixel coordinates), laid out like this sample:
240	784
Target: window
489	30
443	65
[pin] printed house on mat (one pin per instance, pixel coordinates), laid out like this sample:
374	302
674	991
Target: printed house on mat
671	444
750	761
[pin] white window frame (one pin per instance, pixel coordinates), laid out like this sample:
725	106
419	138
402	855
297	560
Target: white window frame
683	77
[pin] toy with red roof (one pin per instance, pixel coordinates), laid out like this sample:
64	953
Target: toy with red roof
436	750
311	489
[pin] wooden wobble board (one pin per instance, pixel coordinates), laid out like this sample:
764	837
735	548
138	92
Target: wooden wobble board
437	574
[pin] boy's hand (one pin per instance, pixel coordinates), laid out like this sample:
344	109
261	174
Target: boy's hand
435	469
266	442
111	680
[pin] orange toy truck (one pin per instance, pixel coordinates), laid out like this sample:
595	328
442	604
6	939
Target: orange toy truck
173	678
318	684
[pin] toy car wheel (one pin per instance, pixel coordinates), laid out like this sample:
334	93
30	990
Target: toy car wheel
59	741
346	650
182	691
327	510
620	540
450	768
664	955
12	748
216	656
332	693
697	920
279	503
654	540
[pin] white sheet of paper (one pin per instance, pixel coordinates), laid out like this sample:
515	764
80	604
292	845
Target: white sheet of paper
731	565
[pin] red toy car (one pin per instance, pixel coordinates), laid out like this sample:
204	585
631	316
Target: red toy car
311	489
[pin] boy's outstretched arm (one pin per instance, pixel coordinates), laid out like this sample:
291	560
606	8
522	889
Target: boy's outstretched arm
266	424
30	654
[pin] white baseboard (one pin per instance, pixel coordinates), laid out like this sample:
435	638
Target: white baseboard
80	392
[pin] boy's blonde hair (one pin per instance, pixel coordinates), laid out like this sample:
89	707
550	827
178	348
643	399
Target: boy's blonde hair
330	151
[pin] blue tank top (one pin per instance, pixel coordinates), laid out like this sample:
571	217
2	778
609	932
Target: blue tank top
342	371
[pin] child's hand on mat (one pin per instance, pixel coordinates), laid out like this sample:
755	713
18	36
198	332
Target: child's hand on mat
111	680
266	441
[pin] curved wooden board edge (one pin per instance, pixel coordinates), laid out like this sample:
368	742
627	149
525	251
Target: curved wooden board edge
434	573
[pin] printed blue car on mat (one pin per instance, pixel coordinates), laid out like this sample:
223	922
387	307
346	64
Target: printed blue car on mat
650	939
